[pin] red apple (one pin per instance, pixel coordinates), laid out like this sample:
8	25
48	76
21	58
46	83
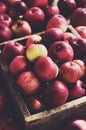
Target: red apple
57	21
70	71
45	68
29	82
55	94
51	35
5	33
35	17
79	47
12	49
5	19
18	65
76	90
80	3
21	28
78	17
9	2
66	7
61	51
68	36
34	104
3	7
81	30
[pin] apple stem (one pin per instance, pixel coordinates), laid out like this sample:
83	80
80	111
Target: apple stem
70	63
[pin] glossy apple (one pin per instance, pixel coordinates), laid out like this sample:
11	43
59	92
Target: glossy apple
45	68
5	19
29	82
67	7
18	65
12	49
35	17
81	30
70	71
78	17
57	21
61	51
34	51
79	47
3	7
52	35
21	28
5	33
55	94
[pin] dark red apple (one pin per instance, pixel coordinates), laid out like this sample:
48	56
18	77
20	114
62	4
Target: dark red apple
5	19
29	82
61	51
55	94
9	2
18	65
78	17
70	71
35	17
81	30
21	28
81	3
67	7
3	7
58	21
5	33
52	35
45	68
12	49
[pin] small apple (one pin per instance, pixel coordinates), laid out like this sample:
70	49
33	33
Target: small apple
70	71
5	19
45	68
78	17
18	65
34	104
61	51
81	30
55	94
3	7
67	7
35	17
12	49
57	21
52	35
68	36
33	39
29	82
5	33
34	51
21	28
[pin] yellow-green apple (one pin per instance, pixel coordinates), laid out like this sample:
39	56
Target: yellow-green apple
5	19
28	82
18	65
81	30
45	68
5	33
78	17
35	17
68	36
12	49
70	71
79	47
21	28
56	93
67	7
51	35
3	7
34	51
33	39
17	8
76	90
34	104
58	21
61	51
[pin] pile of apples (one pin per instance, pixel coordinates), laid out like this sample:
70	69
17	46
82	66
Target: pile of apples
49	69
